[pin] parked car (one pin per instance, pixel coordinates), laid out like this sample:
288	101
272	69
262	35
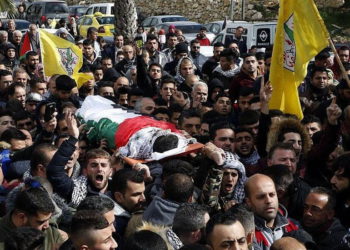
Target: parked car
104	8
189	29
21	25
103	23
260	34
39	12
217	26
155	20
77	11
54	31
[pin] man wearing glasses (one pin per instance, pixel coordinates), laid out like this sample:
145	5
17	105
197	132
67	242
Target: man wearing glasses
197	58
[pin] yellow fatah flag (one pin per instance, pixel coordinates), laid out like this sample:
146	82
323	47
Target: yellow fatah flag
300	35
60	56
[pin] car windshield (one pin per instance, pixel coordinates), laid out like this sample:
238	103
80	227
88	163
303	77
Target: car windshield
56	8
106	20
81	10
189	28
22	25
174	19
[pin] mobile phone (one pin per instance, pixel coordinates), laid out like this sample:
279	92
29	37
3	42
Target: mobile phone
49	111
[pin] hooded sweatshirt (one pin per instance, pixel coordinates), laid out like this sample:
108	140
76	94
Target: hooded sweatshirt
160	212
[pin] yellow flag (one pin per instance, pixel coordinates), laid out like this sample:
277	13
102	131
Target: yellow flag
81	78
59	56
300	35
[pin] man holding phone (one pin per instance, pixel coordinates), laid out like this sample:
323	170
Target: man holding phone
64	86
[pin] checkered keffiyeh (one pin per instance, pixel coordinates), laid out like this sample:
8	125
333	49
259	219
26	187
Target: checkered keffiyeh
232	162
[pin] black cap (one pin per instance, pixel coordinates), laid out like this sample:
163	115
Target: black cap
64	82
181	48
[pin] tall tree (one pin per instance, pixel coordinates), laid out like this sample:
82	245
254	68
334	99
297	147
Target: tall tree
126	18
9	7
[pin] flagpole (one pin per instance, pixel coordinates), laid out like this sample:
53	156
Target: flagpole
342	69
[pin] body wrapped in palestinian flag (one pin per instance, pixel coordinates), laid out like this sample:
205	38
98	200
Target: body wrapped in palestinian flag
132	134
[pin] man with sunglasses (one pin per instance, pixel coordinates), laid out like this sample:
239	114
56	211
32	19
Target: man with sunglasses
197	58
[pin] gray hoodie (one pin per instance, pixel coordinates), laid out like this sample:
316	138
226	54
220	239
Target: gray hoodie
160	212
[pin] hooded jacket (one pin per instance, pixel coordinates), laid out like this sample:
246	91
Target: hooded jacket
160	212
265	236
330	238
10	62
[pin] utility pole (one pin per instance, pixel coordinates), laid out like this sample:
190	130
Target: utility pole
243	10
232	9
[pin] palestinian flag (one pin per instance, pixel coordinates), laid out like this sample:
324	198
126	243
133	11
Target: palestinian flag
132	134
26	46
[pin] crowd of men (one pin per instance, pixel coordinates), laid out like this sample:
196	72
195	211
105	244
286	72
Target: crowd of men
263	180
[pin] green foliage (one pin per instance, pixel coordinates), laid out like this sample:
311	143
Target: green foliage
267	13
335	17
9	6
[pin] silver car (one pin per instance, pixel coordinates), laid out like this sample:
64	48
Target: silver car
155	20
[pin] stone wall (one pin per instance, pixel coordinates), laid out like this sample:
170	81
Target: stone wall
204	11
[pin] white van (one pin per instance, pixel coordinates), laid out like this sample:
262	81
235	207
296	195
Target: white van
104	8
259	34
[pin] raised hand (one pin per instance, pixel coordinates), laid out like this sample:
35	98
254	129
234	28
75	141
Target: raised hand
72	125
214	153
333	112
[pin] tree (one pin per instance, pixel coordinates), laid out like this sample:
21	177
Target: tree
126	18
8	6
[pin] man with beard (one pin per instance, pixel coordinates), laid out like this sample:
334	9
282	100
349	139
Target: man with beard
156	56
199	94
32	61
172	41
271	220
341	185
319	220
33	208
97	170
34	37
221	109
246	77
222	136
316	91
190	122
166	89
16	41
212	62
245	149
226	232
128	189
129	60
202	37
111	50
195	55
90	57
227	68
10	61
